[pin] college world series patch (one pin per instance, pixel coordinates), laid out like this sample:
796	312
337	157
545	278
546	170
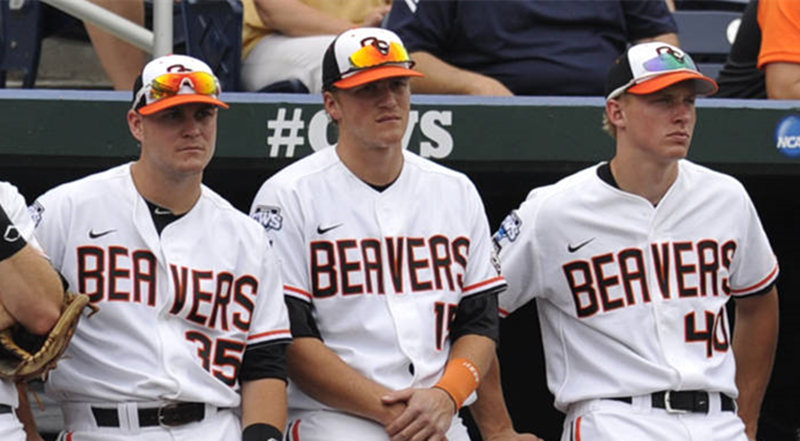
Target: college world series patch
269	217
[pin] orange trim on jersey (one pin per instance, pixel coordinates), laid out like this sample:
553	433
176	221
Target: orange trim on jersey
268	333
578	429
484	283
760	284
68	437
503	312
779	21
296	431
297	291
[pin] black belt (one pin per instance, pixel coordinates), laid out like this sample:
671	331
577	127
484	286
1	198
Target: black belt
175	414
684	401
5	408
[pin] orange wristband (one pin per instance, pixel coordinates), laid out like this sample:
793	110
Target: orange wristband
461	378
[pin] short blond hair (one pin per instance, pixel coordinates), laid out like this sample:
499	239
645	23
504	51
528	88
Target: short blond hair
609	128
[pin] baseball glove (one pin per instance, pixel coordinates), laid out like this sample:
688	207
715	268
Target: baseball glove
25	356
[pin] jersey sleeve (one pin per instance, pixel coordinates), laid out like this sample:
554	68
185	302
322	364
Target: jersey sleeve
276	210
422	25
647	18
270	322
49	214
17	211
780	32
754	267
514	243
483	270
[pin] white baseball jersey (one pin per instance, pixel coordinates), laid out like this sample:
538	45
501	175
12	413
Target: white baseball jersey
631	297
14	205
383	270
177	310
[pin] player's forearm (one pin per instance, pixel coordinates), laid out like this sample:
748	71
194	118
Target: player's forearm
782	80
444	78
264	402
295	18
476	348
323	375
669	37
489	411
754	342
30	290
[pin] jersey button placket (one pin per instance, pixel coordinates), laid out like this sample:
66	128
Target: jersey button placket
390	225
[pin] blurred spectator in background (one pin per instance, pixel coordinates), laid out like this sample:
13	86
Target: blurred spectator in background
121	60
780	47
526	47
741	77
285	39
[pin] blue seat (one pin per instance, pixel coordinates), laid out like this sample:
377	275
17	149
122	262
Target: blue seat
213	33
20	34
210	30
707	35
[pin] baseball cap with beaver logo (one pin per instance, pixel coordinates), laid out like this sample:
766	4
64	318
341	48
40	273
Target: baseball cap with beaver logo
363	55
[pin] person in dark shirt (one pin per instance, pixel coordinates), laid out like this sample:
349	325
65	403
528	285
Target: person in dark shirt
527	47
741	77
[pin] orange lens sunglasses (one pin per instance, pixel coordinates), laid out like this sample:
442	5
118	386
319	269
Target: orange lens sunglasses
169	84
370	56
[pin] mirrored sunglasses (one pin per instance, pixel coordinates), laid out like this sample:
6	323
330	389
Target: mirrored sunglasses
169	84
668	60
371	55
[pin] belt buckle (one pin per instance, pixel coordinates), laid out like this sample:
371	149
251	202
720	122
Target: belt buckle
168	420
668	405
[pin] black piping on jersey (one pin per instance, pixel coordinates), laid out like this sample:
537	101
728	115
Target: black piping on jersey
161	216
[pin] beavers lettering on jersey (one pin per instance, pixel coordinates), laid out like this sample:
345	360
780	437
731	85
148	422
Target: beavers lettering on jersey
358	266
609	281
202	296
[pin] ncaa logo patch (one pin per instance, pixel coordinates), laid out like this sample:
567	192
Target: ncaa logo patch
787	136
509	228
269	217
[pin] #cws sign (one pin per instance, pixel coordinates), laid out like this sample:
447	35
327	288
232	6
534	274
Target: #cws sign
288	131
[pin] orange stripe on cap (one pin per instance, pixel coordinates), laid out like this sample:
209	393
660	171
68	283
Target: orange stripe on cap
665	80
177	100
375	74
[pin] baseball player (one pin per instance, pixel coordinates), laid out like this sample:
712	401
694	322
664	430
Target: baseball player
632	262
387	263
192	322
30	293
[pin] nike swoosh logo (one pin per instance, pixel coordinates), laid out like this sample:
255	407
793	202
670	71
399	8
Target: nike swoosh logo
321	230
93	235
160	210
572	249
